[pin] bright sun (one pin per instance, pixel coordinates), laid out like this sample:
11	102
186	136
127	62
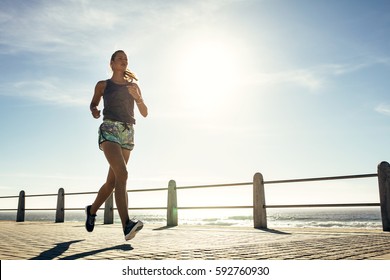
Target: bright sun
207	74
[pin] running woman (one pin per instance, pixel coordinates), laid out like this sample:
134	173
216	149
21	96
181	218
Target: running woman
116	138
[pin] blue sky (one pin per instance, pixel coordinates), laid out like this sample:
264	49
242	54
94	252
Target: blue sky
290	89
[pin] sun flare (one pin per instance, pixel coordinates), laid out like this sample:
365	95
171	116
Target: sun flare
207	74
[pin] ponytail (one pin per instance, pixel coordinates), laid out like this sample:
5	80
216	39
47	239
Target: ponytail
130	76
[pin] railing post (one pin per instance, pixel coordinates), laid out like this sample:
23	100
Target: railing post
384	193
172	218
60	211
259	211
109	210
21	207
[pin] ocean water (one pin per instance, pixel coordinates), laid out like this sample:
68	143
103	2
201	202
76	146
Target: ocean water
276	218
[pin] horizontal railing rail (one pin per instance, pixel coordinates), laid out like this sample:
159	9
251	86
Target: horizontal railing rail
259	206
322	178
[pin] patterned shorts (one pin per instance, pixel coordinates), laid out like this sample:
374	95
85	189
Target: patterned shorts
117	132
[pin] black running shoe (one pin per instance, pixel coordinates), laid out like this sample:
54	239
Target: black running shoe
132	228
90	222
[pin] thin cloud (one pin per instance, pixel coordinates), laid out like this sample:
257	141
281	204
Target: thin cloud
383	109
342	69
51	26
300	77
49	90
313	78
63	26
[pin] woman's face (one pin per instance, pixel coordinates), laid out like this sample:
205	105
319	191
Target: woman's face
120	62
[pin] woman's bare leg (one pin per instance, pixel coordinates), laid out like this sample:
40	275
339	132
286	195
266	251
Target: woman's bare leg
118	158
104	192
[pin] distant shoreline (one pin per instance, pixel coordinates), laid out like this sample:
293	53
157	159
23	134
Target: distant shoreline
317	218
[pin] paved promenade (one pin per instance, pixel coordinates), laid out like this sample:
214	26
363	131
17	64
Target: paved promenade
70	241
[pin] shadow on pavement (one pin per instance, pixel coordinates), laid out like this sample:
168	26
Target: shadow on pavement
164	227
273	231
58	250
61	248
123	247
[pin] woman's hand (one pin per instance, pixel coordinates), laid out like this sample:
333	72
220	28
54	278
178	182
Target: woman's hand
95	112
134	92
97	96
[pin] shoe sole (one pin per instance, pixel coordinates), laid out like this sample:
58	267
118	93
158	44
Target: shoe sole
137	227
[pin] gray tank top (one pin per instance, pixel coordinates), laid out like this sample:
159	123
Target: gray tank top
118	103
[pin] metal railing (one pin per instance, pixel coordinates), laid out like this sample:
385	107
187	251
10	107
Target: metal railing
259	206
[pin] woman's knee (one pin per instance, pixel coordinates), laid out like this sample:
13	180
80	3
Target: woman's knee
121	175
110	184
